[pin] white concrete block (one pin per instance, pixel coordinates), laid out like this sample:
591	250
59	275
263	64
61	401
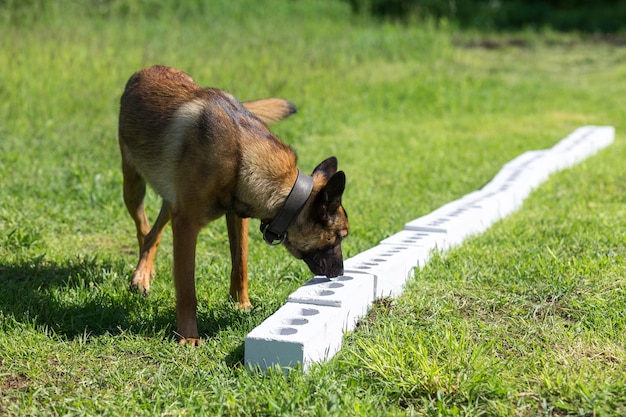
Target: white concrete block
603	137
309	327
578	141
575	147
485	208
547	165
508	201
582	143
509	195
351	294
519	181
453	229
429	240
294	334
511	186
459	219
568	158
390	265
524	160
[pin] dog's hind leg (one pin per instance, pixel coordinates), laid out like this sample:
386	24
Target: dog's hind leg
238	238
148	239
134	194
144	272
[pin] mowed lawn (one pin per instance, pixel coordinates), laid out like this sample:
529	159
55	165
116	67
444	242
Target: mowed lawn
526	319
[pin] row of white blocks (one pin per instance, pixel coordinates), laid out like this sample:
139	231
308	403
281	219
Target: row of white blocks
309	327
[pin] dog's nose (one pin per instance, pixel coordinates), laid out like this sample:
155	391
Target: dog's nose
325	267
334	270
326	262
333	267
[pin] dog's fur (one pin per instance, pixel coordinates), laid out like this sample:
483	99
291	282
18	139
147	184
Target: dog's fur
207	155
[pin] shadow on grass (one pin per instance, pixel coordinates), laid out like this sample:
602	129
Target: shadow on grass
91	296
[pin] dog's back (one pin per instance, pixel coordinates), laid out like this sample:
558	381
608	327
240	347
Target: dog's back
175	133
154	95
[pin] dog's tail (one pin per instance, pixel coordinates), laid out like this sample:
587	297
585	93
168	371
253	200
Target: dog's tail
270	110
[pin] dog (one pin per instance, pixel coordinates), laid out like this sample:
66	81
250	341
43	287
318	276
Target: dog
208	155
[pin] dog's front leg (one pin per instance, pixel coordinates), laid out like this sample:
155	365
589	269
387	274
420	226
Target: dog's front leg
238	238
185	232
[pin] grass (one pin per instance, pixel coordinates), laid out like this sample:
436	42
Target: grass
526	319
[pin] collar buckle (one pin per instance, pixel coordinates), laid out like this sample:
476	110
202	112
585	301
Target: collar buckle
272	238
275	232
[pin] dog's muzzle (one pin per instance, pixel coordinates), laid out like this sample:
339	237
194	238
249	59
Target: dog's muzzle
327	262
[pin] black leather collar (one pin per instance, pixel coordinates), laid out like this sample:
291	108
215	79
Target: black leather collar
275	232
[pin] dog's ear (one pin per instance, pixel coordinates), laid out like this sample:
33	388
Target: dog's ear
327	168
328	199
270	110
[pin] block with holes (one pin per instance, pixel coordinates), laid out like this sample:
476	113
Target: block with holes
525	173
294	334
481	209
429	240
512	186
350	294
309	327
583	142
529	160
457	220
390	265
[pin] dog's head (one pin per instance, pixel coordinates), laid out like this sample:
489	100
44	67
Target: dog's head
316	234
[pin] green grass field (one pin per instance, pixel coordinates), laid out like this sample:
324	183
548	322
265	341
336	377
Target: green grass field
527	319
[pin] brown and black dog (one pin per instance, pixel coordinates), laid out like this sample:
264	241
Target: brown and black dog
207	155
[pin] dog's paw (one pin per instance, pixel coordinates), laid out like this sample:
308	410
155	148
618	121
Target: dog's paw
240	304
243	305
140	282
190	341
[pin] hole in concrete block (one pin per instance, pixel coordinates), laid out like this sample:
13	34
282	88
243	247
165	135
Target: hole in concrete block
334	285
363	266
308	312
323	293
284	331
345	278
295	322
394	250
